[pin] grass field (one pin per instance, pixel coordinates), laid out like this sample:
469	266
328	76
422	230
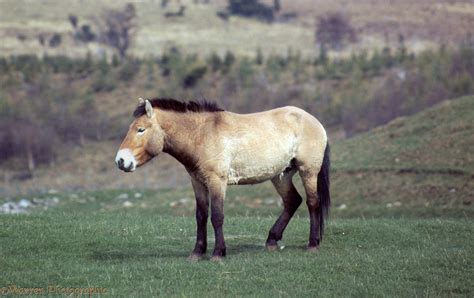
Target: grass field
134	254
135	243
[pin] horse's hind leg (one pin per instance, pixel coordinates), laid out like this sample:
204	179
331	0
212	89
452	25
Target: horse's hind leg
291	201
310	179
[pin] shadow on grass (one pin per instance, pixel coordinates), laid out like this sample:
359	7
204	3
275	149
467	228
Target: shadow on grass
126	254
260	248
232	250
238	249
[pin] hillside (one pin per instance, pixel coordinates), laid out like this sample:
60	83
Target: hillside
422	160
439	139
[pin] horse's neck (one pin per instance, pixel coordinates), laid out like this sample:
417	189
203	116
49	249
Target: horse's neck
181	130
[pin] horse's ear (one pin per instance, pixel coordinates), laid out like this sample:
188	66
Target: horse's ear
149	109
141	101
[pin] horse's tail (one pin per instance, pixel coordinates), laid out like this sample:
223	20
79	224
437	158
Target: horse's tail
323	190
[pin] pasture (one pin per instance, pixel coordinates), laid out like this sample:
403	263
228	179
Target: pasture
93	240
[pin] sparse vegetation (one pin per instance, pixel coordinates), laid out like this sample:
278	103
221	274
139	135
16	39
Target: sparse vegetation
357	93
117	28
55	40
251	9
333	30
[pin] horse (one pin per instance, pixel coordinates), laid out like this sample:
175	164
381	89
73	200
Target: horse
220	148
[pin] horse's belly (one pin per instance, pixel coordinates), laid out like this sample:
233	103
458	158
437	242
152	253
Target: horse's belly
256	167
239	177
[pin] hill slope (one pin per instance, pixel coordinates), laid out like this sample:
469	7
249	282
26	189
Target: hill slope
437	139
424	160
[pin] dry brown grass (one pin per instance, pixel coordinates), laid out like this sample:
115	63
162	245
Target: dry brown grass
92	167
423	23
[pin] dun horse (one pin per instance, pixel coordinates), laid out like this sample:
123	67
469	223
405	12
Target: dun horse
220	148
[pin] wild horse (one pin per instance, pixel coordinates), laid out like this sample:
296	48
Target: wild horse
220	148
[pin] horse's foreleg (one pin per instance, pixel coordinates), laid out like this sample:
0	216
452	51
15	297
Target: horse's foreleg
202	209
217	194
291	202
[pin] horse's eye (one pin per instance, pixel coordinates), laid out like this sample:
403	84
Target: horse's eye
140	130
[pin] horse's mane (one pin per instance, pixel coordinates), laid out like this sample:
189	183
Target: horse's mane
170	104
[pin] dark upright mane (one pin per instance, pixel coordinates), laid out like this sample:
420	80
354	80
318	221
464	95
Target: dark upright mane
179	106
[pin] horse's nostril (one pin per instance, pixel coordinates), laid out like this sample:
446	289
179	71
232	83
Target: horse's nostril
120	162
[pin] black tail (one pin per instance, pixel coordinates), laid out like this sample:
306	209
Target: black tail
323	190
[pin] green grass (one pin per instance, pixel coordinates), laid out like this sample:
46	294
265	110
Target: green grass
439	139
134	254
420	161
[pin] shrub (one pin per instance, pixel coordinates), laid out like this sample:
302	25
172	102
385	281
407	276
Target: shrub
28	65
85	34
117	28
193	76
386	57
103	82
172	62
229	60
251	9
60	63
129	70
259	57
275	65
462	84
333	30
35	144
215	62
150	76
115	60
73	20
85	65
245	71
55	40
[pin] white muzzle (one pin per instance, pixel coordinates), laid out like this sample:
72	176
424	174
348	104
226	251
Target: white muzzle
125	160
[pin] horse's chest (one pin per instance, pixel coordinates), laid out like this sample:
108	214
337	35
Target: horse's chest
261	162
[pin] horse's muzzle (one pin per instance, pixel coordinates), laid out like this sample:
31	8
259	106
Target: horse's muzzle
125	160
121	165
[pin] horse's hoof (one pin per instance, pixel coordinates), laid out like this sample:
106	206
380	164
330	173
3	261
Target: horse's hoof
195	258
271	247
313	248
217	259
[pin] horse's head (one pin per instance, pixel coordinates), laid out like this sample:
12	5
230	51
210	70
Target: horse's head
144	139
